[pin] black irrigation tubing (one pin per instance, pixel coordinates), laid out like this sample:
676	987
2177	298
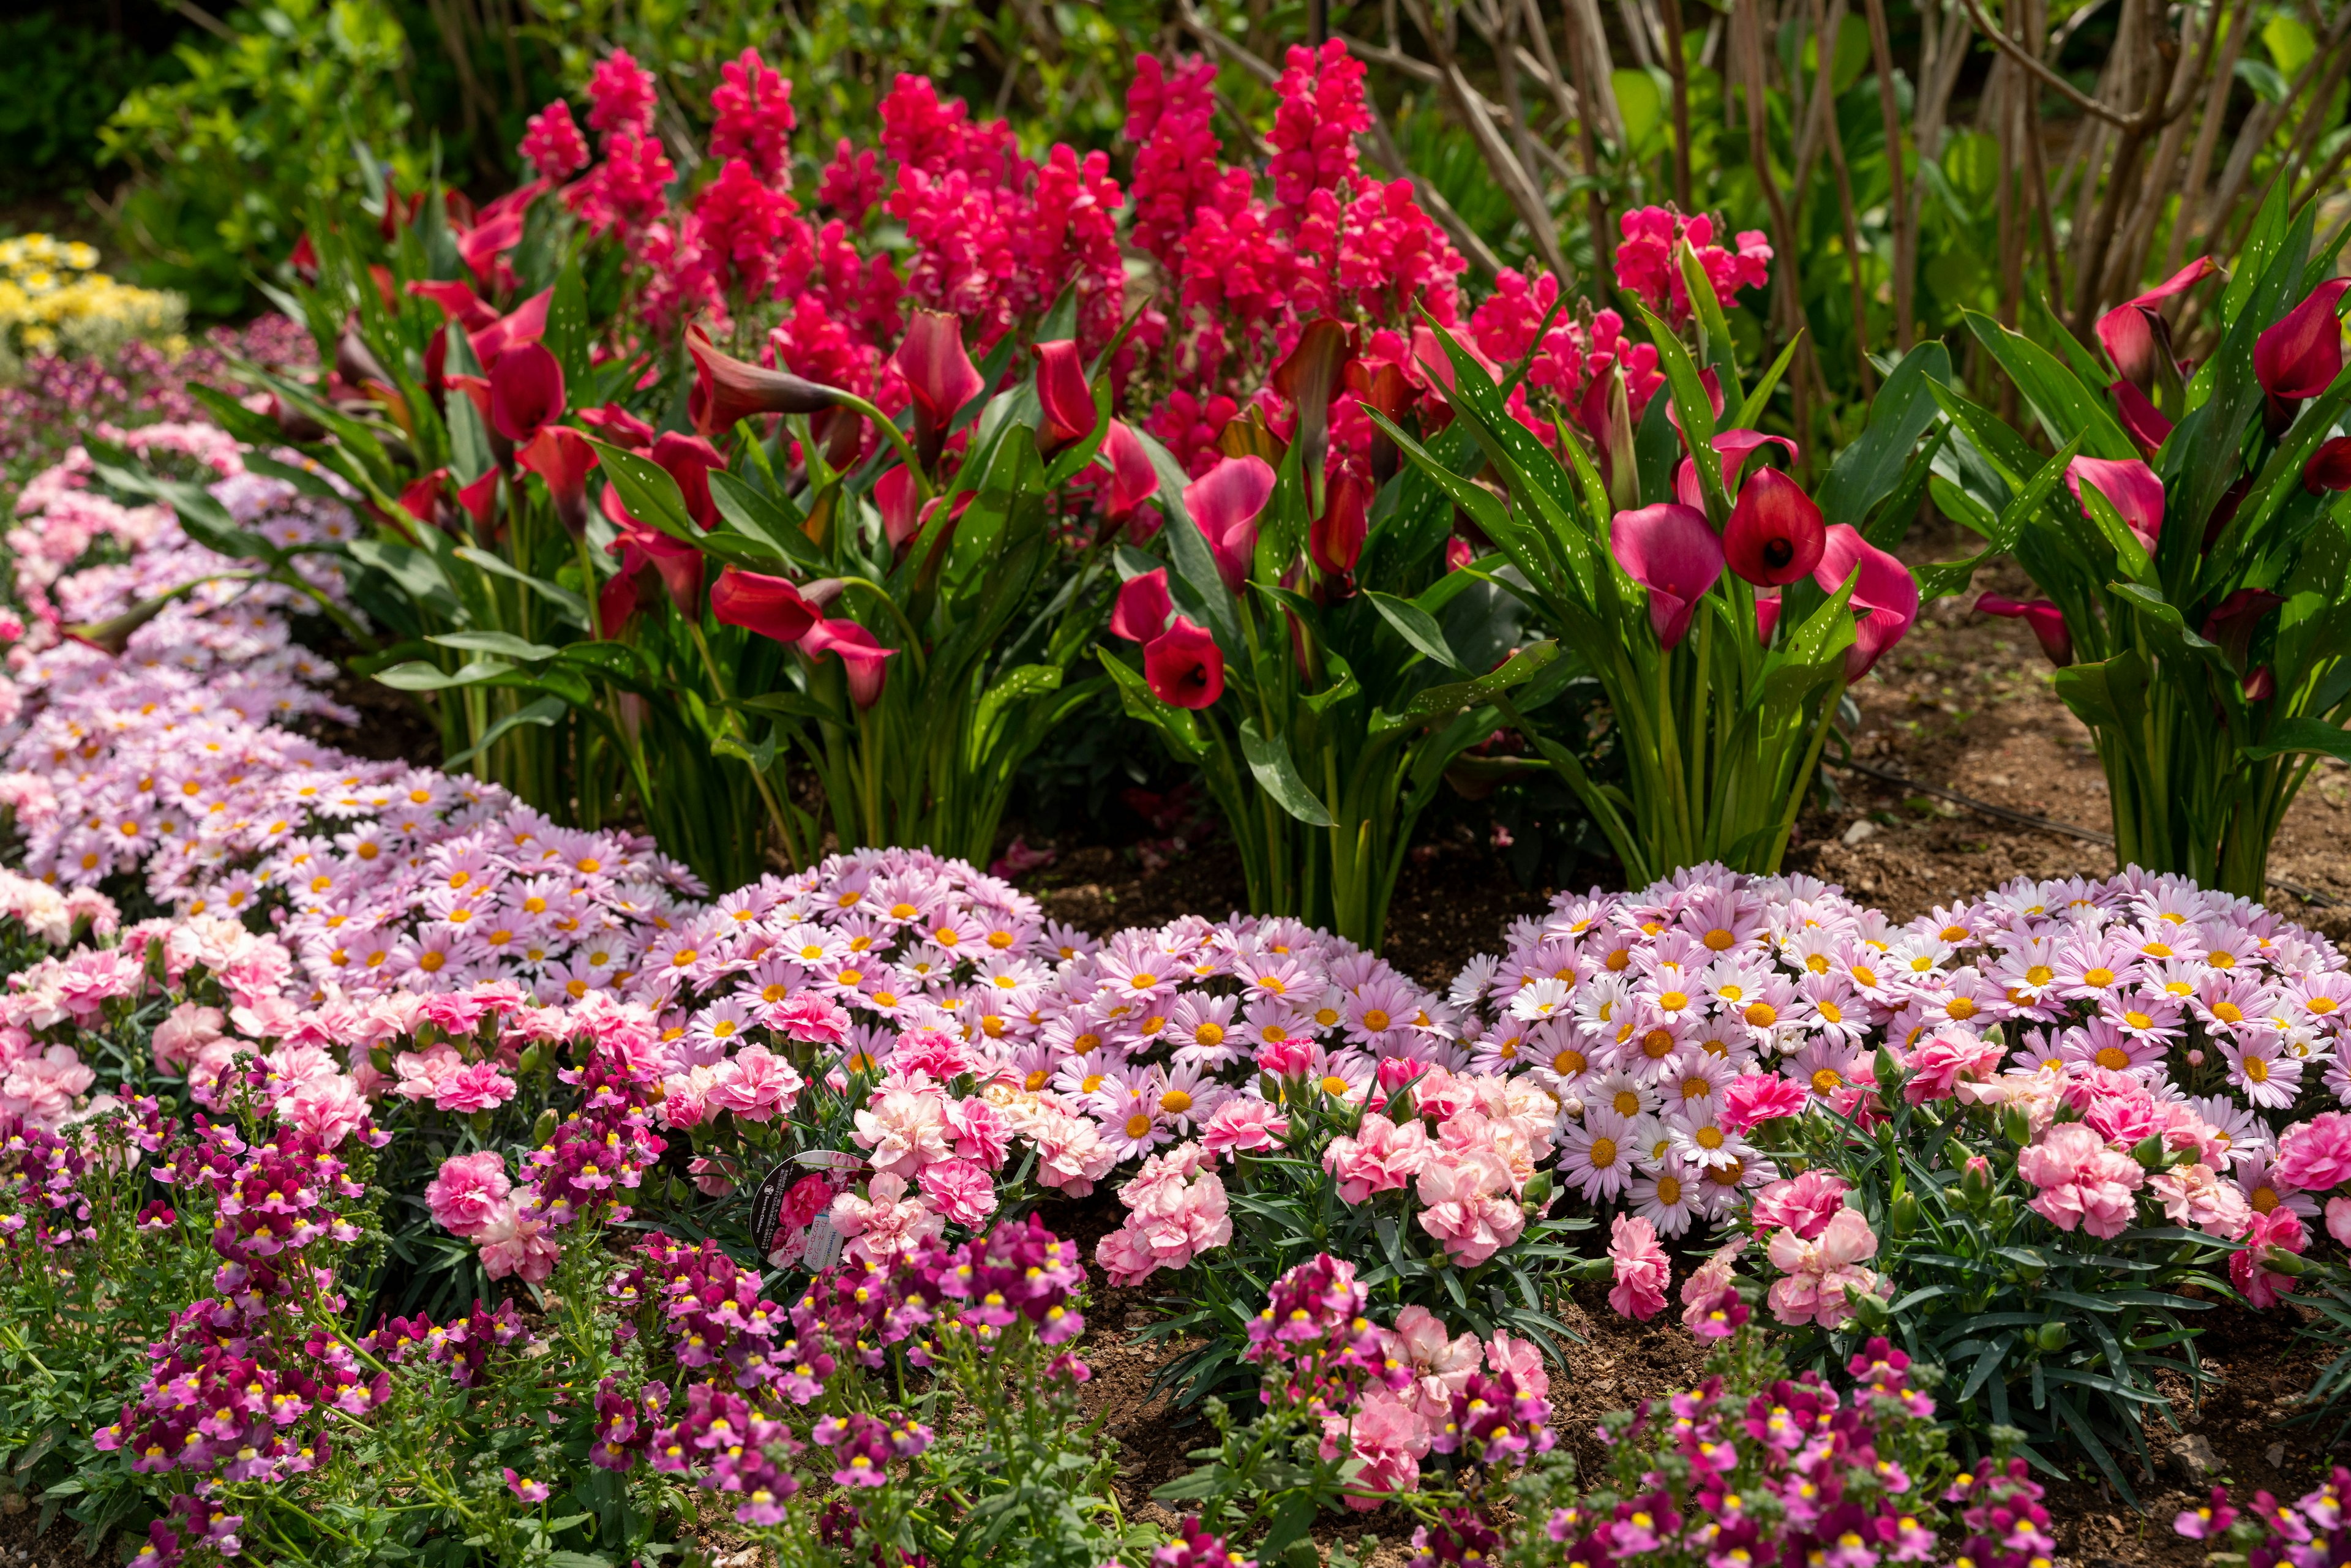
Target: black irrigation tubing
2309	895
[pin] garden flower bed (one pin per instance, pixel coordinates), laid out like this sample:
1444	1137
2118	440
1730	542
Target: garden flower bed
655	1125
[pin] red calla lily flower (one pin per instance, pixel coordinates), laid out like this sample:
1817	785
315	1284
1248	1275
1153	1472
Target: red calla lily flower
1184	666
2134	332
1062	393
1775	535
562	457
526	392
727	390
771	606
2301	355
2129	486
2046	622
940	377
1144	607
1885	593
688	459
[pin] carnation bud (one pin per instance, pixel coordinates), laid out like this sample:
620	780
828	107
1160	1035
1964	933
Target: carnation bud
544	1128
2278	1261
2014	1126
1978	1179
1902	1215
1538	1191
1889	1070
2148	1151
1868	1306
530	1057
2054	1335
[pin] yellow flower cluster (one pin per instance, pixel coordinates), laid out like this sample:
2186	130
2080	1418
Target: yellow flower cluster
54	300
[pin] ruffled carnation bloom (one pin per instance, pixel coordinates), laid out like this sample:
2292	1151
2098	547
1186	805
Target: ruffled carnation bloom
1753	1098
468	1192
1815	1275
1804	1203
887	1223
514	1242
2262	1286
1642	1269
477	1086
1470	1204
2195	1195
2083	1182
1177	1210
1243	1125
1380	1157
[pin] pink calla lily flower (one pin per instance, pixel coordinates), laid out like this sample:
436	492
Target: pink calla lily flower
940	377
2046	622
1775	535
1144	607
2302	354
2134	332
865	661
2129	486
1669	550
1062	393
1225	503
1885	594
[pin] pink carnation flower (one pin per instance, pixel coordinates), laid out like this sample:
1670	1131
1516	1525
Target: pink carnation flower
1380	1157
1757	1097
2082	1181
516	1243
1642	1269
2316	1155
1804	1203
1470	1204
469	1190
1816	1275
478	1086
1243	1125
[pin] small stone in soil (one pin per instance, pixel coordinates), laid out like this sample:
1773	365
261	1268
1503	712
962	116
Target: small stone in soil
1861	832
2276	1456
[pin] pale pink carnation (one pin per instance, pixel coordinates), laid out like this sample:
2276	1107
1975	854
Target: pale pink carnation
961	1191
1804	1203
468	1192
1243	1125
1938	1064
1470	1205
186	1029
2195	1195
514	1242
756	1085
886	1224
1817	1274
904	1129
2082	1181
477	1086
1642	1269
2316	1155
1380	1157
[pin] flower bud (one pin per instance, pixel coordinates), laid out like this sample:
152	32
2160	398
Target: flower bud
2054	1335
1902	1215
544	1128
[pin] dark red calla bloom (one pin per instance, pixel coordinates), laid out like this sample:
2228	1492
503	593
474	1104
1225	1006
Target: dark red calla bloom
2329	468
1061	391
526	392
619	426
1335	540
562	457
688	459
679	563
480	498
1184	666
458	302
423	497
2235	620
940	377
2042	615
1144	607
1775	535
2301	355
771	606
727	390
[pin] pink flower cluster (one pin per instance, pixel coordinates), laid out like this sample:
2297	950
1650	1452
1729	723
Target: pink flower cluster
2312	1531
1648	260
1790	1473
1393	1396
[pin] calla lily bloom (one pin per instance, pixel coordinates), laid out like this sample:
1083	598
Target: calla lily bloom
897	499
679	563
2142	421
1775	535
481	246
1767	615
526	392
865	661
1309	377
616	603
2235	619
1381	386
423	497
1335	540
940	377
619	426
2046	622
562	457
2329	468
480	498
2134	332
526	323
1885	593
458	302
771	606
2129	486
1133	477
1670	550
727	389
688	459
1061	391
1184	666
1735	447
1225	503
1143	607
2301	355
